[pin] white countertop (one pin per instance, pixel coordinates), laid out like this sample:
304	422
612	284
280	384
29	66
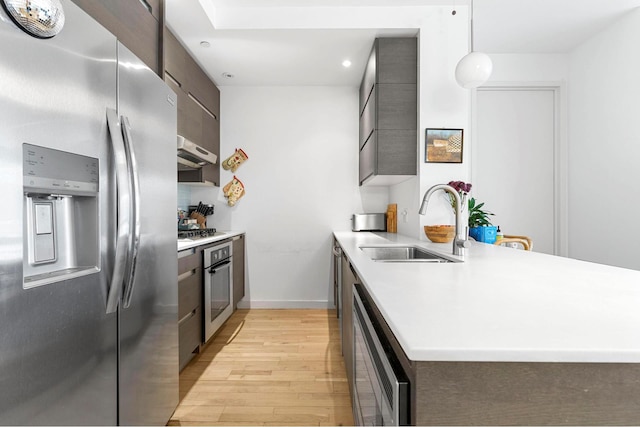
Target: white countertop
191	243
502	304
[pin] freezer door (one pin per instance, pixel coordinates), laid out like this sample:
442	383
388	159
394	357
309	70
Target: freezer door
58	358
149	311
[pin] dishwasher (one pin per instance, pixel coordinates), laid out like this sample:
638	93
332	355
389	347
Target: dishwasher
380	391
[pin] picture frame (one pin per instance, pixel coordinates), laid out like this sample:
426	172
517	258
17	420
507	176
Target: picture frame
443	145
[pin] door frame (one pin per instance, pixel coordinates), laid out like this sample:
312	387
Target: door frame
560	150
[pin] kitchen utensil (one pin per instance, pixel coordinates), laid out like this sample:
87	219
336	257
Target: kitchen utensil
369	222
392	218
201	219
440	233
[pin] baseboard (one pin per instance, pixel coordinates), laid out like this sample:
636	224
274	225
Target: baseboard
286	304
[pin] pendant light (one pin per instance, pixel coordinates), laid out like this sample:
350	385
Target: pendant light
474	68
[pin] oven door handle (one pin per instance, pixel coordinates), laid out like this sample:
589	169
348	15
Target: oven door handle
215	267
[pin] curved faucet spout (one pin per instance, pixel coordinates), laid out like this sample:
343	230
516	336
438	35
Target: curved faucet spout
460	241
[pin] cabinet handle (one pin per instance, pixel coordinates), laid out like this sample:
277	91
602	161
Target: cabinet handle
188	316
186	274
186	253
147	6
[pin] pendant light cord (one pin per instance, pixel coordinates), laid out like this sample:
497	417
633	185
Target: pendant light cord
471	24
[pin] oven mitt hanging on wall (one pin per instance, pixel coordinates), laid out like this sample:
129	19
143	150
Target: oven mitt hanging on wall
233	191
234	161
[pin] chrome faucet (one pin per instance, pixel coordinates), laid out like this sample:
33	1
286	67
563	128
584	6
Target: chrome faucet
460	241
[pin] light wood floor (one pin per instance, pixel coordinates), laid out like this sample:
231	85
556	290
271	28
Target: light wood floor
268	367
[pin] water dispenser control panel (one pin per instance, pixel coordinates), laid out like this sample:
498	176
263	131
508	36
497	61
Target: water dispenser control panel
58	172
61	223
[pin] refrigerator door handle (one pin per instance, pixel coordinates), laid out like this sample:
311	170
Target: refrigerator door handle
134	243
124	211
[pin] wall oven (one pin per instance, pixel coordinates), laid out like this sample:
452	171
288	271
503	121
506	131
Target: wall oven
381	390
218	287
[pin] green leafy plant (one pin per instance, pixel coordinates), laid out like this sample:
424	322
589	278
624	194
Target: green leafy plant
478	217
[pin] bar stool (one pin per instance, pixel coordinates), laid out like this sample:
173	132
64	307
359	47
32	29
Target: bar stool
524	241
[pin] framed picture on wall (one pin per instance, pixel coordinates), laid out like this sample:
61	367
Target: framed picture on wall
443	146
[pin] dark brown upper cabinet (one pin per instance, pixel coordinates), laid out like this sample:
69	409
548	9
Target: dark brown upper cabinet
138	24
198	106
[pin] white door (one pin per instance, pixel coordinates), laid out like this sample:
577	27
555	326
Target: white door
513	162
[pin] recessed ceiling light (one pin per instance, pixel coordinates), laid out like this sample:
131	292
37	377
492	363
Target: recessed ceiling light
346	63
205	43
227	75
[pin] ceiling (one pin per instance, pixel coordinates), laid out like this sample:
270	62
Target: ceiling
303	42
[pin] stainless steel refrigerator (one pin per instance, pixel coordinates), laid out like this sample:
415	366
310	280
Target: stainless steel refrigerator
88	265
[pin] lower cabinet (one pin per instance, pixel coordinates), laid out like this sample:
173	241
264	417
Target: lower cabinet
191	294
401	364
481	393
238	269
349	279
189	304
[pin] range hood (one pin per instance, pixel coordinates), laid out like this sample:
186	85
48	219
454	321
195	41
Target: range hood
192	157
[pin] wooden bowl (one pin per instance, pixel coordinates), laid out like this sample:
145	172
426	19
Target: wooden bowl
440	233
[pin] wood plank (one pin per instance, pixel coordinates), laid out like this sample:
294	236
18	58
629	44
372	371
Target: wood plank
268	367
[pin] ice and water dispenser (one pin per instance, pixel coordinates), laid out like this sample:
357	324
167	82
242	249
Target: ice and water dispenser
61	221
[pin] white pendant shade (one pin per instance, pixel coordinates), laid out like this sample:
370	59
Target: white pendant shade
473	70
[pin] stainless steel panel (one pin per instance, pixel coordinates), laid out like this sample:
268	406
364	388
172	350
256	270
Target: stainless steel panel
61	189
149	326
57	346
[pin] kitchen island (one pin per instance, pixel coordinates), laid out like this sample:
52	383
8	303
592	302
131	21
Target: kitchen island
508	336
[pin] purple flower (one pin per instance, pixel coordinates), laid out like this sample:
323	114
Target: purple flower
461	187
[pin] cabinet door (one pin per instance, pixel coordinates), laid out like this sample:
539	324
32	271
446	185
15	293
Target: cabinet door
201	86
238	270
396	152
368	80
368	118
397	60
189	292
189	303
368	158
175	58
211	141
348	280
396	106
193	118
181	104
189	337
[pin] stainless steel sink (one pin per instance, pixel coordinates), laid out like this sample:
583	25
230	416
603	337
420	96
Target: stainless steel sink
404	254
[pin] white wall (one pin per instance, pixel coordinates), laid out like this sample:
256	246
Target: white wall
442	104
527	73
529	68
301	183
604	146
302	174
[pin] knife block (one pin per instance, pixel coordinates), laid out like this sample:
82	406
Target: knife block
202	220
